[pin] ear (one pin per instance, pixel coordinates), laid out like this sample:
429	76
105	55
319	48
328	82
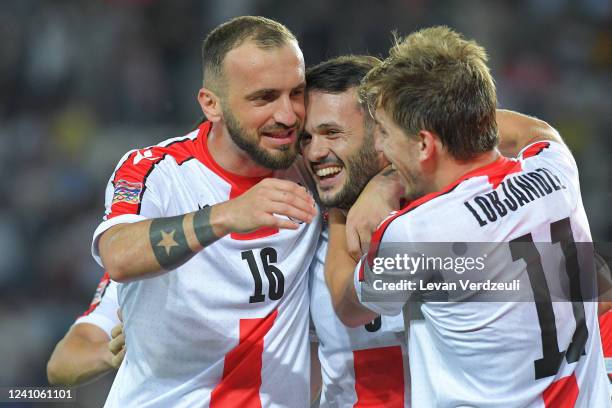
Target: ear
210	104
428	145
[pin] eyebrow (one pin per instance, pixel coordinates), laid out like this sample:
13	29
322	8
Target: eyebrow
327	125
261	92
271	91
300	86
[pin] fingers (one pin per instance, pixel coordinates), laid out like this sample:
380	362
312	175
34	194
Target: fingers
117	330
118	359
298	203
279	222
290	193
117	343
295	214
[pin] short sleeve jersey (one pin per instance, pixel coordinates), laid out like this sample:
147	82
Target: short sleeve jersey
362	366
230	326
102	311
502	354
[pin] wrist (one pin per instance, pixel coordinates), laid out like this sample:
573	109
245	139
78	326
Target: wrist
336	216
220	219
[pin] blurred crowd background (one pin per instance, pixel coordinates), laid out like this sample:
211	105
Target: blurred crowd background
82	82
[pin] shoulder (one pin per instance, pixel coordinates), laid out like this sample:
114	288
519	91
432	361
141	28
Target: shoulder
137	165
180	149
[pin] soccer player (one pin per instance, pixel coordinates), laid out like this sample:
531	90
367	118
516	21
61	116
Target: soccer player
434	103
211	235
362	365
83	354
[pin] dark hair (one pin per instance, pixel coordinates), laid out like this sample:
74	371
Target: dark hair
338	74
436	80
264	32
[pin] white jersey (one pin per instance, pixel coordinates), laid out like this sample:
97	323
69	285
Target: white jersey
102	311
230	326
503	354
364	366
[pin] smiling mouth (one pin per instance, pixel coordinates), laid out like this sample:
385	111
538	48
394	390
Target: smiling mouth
328	172
280	135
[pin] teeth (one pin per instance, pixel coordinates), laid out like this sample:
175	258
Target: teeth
328	171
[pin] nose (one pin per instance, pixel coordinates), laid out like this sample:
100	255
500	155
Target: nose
286	112
317	149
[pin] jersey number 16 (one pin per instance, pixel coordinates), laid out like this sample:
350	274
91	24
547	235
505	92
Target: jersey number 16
276	280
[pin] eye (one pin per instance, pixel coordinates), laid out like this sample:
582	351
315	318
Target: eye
268	97
297	92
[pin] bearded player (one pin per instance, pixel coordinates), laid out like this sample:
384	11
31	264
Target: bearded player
365	365
222	316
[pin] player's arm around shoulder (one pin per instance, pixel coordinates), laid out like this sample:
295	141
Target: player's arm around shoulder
339	275
149	247
80	356
516	131
83	354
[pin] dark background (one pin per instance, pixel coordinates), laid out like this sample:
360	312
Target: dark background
82	82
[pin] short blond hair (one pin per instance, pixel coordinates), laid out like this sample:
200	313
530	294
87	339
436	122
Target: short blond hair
436	80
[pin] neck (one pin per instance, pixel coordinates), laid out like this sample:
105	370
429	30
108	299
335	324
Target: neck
449	170
231	157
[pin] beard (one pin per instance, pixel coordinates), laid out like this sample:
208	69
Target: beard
284	157
360	168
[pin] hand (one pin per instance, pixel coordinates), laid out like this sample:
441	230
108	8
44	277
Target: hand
117	343
378	199
264	205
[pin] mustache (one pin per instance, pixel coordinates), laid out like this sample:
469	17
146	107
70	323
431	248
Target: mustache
280	127
327	160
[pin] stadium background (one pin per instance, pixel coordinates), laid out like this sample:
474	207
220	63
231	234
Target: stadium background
82	82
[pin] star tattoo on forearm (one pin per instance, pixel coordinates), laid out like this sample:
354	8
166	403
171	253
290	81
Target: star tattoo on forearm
167	237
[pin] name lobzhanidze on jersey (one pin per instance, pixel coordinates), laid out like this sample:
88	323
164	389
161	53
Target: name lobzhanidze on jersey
513	193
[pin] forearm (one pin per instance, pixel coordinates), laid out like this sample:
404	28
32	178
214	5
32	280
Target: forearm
147	248
339	269
517	131
78	359
382	195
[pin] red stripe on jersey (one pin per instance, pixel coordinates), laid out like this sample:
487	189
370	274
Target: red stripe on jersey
379	377
535	149
240	184
605	331
509	167
100	290
495	171
562	393
605	328
362	270
241	380
139	164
